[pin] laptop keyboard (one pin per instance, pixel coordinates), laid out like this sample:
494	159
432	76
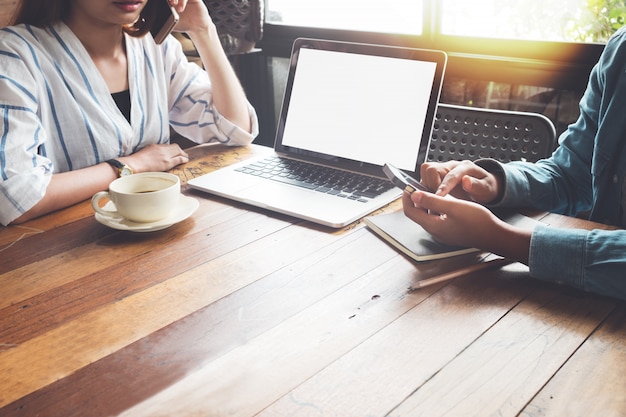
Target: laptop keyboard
319	178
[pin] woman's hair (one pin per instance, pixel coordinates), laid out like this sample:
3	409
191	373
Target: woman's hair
43	13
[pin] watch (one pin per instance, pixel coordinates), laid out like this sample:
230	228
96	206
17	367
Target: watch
122	169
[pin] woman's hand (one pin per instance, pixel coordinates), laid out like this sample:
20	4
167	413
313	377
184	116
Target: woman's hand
462	179
194	16
156	158
458	222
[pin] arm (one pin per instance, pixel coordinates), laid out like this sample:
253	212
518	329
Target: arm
219	88
592	261
71	187
68	188
228	95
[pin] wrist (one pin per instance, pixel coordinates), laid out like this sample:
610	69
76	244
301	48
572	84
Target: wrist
512	242
204	35
495	169
121	168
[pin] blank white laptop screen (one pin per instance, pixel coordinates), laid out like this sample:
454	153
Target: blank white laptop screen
361	107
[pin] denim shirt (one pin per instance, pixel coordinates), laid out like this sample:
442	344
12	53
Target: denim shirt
585	173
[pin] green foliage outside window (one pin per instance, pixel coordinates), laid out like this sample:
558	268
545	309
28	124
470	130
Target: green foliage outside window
597	21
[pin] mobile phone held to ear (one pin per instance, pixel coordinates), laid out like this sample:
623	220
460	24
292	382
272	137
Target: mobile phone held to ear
403	181
165	21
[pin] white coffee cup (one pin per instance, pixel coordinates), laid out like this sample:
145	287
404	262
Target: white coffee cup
144	197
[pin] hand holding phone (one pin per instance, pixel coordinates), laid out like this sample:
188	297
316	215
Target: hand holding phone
404	181
165	21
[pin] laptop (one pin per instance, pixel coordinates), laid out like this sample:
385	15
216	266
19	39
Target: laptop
348	109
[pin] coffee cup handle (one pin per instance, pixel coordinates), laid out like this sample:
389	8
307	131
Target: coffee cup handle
95	203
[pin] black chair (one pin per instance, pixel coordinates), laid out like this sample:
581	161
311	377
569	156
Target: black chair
471	133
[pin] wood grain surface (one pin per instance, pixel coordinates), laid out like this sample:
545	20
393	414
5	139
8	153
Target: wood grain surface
237	311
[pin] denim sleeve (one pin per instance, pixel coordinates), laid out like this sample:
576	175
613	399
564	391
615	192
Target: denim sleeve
594	261
550	184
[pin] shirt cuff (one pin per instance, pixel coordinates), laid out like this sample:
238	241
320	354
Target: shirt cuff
20	193
557	255
515	192
236	135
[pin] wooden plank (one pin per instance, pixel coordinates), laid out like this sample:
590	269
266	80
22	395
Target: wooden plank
593	381
16	233
368	381
384	370
210	214
502	370
28	281
43	359
105	271
37	245
302	282
254	375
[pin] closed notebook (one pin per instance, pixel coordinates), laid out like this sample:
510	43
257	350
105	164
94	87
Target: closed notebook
415	242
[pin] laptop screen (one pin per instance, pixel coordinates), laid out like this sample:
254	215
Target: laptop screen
360	104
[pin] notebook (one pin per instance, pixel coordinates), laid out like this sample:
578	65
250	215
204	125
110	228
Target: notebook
348	108
415	242
410	238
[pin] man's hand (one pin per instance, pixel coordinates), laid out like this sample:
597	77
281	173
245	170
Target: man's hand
464	180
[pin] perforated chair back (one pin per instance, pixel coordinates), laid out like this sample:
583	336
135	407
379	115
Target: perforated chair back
239	23
471	133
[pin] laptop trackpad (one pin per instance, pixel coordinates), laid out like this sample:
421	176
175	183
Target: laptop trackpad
277	195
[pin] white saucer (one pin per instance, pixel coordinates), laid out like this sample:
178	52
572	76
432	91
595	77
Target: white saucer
186	207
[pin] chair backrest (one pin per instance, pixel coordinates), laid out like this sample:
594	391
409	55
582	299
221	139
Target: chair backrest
239	23
471	133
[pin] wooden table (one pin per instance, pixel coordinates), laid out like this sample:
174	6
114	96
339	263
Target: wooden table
239	312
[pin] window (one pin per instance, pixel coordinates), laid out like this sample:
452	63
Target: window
550	20
387	16
535	20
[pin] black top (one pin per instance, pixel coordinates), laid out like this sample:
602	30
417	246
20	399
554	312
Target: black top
122	99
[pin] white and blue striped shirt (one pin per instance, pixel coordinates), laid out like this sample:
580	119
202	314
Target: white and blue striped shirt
57	113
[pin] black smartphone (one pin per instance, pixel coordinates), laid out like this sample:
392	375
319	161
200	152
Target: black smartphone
165	21
403	181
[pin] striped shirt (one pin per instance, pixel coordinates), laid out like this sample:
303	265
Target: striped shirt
57	113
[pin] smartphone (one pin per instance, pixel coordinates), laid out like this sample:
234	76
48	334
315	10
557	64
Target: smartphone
404	181
165	21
